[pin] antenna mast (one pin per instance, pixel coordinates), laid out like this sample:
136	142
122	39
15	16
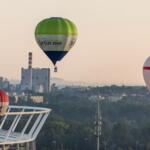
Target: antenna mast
98	122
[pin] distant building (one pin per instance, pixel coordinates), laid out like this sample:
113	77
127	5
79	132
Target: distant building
1	82
4	83
35	79
39	82
37	99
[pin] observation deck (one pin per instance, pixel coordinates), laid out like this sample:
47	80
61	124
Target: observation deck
22	124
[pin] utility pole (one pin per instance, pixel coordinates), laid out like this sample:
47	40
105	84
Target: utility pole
98	122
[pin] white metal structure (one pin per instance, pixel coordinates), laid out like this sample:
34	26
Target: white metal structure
21	124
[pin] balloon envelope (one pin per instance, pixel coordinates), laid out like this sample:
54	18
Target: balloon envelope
4	102
146	72
56	36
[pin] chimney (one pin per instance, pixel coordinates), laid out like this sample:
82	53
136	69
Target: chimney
30	69
30	60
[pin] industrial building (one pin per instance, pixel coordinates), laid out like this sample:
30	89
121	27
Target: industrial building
35	79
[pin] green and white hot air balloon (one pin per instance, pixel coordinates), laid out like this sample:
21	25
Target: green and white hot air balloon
56	36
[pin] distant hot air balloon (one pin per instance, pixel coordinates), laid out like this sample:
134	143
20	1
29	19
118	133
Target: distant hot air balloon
4	102
56	36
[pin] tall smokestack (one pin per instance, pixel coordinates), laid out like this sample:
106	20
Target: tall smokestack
30	69
30	60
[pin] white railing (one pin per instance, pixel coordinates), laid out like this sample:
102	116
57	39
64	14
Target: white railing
22	124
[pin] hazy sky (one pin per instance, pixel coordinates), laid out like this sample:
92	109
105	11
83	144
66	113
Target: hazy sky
112	45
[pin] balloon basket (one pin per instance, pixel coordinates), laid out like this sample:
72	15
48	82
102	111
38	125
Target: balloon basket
55	69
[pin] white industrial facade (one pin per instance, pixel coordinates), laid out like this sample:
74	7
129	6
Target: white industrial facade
35	79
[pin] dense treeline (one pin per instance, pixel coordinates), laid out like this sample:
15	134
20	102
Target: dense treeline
71	125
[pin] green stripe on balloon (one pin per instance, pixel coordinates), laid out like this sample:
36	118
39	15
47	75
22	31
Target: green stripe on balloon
56	25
